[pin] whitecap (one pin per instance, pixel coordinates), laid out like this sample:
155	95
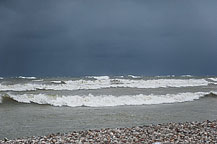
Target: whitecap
56	82
39	80
21	77
213	79
186	76
99	77
107	83
132	76
165	76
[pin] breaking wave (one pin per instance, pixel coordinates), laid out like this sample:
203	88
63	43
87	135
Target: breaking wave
213	79
166	76
21	77
186	76
99	77
132	76
105	82
38	80
105	100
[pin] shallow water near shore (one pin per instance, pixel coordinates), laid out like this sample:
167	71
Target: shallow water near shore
39	106
22	120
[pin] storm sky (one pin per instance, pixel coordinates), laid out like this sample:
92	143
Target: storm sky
108	37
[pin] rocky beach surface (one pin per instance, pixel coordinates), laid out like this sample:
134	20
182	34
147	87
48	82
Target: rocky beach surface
187	132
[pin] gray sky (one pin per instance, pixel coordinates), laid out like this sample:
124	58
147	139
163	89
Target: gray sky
108	37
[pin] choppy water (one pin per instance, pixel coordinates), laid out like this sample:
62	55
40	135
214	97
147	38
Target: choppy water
100	91
39	106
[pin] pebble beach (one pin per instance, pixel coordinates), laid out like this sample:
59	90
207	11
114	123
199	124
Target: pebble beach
187	132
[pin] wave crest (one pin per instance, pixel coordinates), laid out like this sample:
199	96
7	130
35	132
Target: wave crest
106	83
105	100
22	77
213	79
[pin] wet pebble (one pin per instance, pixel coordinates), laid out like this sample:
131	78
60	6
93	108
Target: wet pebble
188	132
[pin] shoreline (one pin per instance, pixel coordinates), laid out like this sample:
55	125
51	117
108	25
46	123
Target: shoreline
26	120
185	132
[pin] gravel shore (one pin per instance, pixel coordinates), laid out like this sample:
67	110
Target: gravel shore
188	132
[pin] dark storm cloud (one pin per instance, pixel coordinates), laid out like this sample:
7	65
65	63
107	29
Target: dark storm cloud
72	37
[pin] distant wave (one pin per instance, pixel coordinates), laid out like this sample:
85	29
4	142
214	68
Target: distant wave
1	78
175	76
132	76
186	76
105	82
39	80
213	79
58	82
104	100
99	77
166	76
21	77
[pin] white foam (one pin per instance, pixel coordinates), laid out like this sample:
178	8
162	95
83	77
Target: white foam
57	82
132	76
213	79
106	100
99	77
186	76
39	80
21	77
1	78
107	83
161	83
162	76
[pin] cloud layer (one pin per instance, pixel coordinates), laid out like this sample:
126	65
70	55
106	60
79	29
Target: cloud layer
74	38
